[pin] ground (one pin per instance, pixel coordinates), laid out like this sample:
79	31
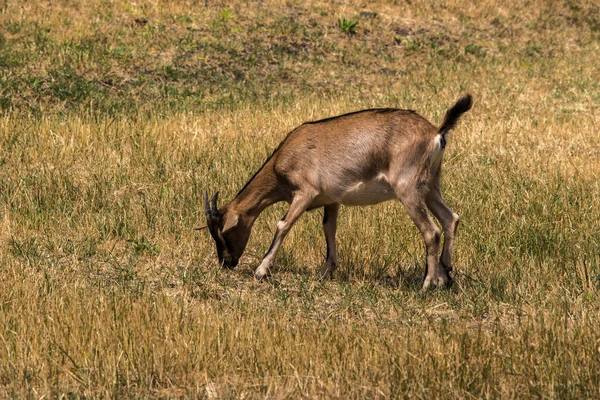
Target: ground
116	116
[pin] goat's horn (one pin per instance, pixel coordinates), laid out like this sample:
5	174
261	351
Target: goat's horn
213	203
206	205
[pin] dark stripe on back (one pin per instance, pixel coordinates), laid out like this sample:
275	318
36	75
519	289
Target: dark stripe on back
373	110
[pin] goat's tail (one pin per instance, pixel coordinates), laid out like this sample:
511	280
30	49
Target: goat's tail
453	114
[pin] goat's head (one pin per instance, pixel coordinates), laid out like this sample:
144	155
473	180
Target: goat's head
229	229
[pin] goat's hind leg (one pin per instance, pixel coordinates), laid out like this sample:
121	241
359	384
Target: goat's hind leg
330	214
449	220
435	273
299	204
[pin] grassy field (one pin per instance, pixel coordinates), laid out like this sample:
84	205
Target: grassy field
116	116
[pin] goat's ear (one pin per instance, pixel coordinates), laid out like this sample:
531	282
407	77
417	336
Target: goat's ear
231	220
203	226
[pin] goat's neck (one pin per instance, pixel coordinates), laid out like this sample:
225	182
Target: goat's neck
259	193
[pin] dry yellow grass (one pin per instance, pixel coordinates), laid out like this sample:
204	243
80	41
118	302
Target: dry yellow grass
107	291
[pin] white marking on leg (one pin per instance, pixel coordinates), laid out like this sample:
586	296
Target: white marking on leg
298	206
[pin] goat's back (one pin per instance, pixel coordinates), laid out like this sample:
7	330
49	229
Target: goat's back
355	145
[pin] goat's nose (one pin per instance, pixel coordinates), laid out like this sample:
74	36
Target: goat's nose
229	262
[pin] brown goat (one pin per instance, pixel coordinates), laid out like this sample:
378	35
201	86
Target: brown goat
361	158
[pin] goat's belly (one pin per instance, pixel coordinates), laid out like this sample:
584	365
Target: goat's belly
367	193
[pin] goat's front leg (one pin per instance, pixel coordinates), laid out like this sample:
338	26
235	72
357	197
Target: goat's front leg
299	204
330	215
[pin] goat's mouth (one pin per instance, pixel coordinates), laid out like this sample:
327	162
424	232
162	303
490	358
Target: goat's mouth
228	261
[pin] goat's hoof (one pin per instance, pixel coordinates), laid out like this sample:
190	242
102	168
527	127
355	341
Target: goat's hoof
325	275
261	274
326	272
439	281
447	268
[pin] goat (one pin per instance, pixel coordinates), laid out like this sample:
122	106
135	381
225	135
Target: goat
356	159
